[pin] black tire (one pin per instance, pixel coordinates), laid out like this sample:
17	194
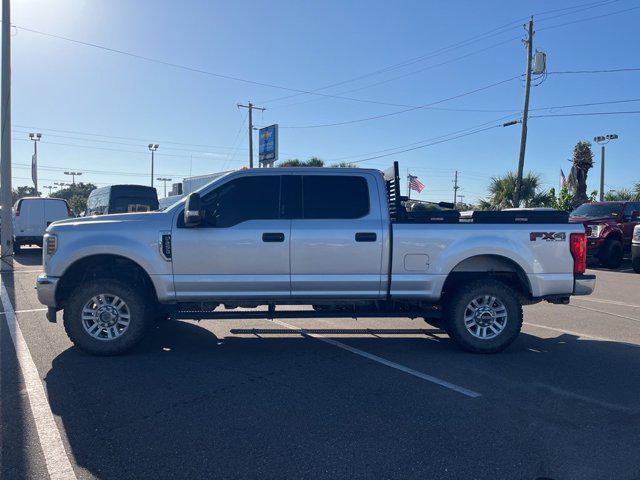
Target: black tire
611	254
636	264
458	303
139	305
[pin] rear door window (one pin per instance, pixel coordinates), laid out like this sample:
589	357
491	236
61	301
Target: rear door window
334	197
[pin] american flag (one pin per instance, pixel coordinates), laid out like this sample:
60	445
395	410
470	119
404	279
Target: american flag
415	184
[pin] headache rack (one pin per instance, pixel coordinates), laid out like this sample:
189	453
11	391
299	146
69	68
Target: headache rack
444	212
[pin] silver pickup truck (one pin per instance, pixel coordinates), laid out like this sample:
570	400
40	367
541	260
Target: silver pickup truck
339	240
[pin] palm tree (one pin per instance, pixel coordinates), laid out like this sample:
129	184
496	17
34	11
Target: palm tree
502	189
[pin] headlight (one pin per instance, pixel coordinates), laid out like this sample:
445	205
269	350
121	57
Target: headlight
594	230
50	243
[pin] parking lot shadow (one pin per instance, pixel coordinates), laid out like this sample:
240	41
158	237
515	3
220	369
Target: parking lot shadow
187	404
28	257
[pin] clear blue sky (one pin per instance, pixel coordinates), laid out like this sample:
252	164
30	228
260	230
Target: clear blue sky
59	85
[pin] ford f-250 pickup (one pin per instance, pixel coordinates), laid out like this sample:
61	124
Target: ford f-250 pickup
337	239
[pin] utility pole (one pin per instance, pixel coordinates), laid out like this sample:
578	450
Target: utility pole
49	187
165	180
602	140
251	108
73	176
6	232
34	161
152	148
455	189
525	114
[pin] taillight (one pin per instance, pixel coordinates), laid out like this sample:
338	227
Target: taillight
18	209
578	247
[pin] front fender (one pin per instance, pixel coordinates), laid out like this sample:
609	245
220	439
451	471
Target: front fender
144	251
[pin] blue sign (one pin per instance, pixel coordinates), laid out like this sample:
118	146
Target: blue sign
268	144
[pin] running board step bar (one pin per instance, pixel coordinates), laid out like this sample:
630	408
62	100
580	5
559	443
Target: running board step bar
272	313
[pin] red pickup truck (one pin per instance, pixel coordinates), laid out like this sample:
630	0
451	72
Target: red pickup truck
609	227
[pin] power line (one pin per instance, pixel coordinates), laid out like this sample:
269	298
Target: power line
585	114
429	144
611	70
142	140
482	36
414	72
419	142
587	19
426	105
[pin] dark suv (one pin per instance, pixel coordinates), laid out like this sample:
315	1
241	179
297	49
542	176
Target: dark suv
609	227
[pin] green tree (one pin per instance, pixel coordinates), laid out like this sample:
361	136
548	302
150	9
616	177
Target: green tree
294	162
344	165
80	189
622	194
23	191
502	189
563	200
78	204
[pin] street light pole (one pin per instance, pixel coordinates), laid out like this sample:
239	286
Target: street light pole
34	161
73	176
165	180
6	232
602	140
152	148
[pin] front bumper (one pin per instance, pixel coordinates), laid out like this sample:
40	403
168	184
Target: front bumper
635	251
46	287
584	284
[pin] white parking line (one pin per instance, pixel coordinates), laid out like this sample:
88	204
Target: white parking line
26	311
55	456
607	313
388	363
578	334
602	300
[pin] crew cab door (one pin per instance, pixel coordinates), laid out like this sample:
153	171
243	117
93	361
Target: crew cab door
336	240
241	248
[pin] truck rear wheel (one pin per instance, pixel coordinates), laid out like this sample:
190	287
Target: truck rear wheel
106	317
484	316
611	254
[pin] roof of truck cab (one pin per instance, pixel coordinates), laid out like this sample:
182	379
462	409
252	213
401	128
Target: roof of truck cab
312	170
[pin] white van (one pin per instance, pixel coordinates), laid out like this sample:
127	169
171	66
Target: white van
31	217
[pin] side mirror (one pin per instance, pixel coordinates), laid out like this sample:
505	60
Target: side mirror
192	210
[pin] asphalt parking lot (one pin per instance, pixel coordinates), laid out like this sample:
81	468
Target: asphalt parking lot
371	398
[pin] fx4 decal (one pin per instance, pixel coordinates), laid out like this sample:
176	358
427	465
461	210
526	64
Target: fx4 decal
548	236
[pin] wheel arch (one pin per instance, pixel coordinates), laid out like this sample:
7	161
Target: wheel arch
492	266
103	266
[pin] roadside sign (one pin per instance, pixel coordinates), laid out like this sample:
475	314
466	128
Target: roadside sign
268	144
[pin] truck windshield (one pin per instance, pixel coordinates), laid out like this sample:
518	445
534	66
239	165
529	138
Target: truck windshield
595	210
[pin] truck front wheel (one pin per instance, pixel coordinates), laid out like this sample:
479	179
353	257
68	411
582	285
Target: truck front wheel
611	254
484	316
106	317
